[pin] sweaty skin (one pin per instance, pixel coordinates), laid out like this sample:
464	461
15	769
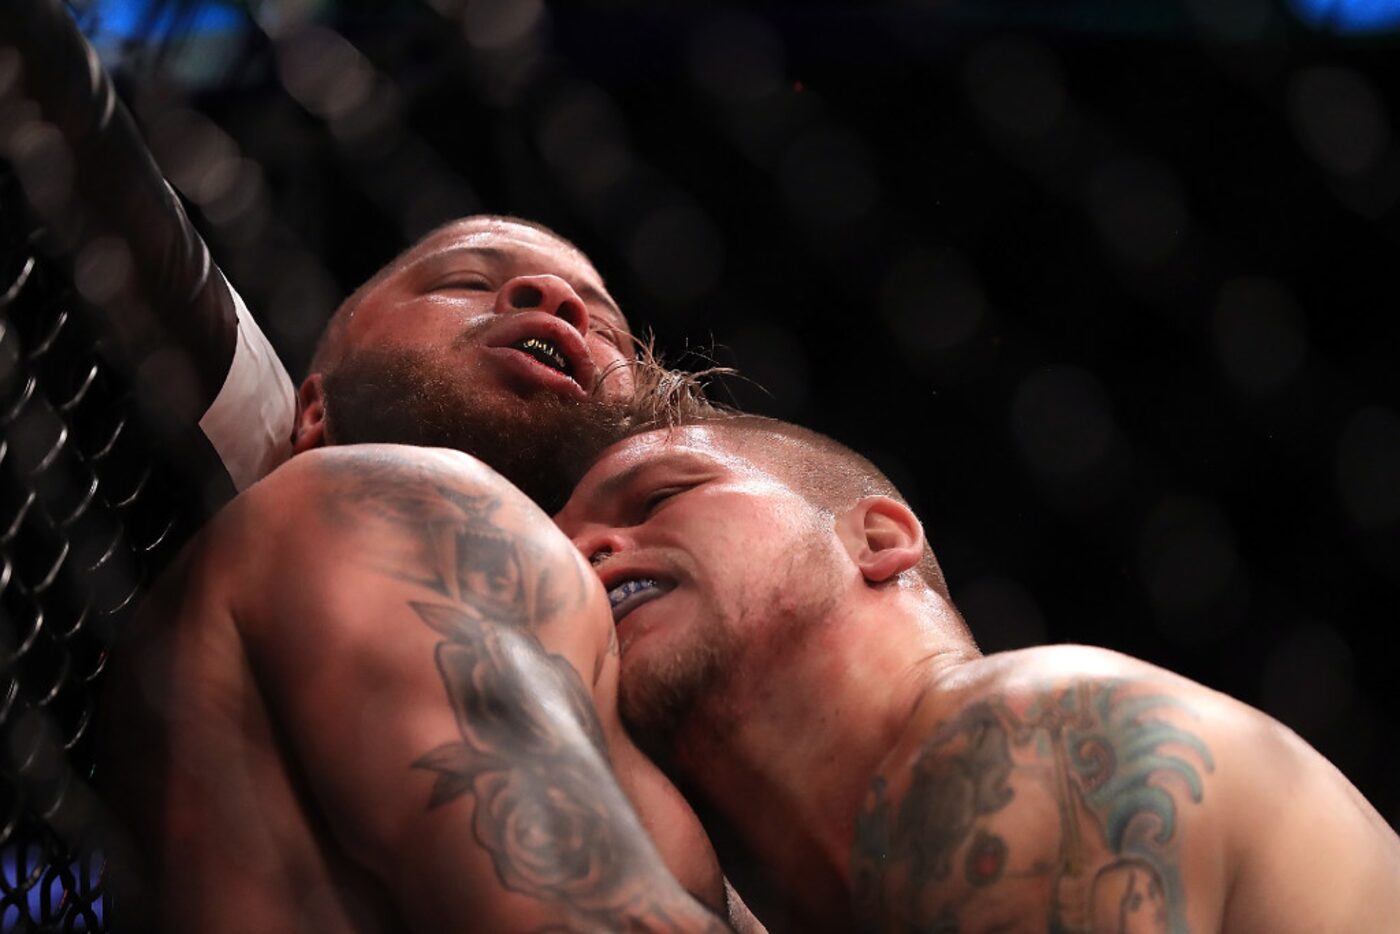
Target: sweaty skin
796	669
1072	789
378	693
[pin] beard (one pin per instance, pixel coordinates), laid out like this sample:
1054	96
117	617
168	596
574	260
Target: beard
540	443
702	680
658	692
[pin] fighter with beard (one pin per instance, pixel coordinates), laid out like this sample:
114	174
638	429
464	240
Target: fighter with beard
457	324
378	691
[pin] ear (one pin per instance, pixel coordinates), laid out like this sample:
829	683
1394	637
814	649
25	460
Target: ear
883	537
309	429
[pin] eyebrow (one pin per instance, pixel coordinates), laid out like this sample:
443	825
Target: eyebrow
614	486
610	488
590	294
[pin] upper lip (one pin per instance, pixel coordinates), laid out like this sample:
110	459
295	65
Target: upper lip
517	327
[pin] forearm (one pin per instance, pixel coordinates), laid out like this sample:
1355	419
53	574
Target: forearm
492	808
529	788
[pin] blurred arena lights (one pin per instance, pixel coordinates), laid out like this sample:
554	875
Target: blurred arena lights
117	20
1350	16
197	42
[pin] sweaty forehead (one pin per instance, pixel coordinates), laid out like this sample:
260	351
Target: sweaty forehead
668	455
698	445
529	245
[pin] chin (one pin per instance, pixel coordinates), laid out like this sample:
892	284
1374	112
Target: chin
661	685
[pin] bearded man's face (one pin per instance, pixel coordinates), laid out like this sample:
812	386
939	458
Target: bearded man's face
491	337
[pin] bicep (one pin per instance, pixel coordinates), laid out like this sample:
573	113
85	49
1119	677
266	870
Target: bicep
450	753
463	768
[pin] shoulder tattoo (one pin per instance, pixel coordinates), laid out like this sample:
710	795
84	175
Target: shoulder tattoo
1113	776
461	542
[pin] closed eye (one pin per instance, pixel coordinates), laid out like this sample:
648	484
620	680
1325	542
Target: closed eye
465	284
617	334
610	334
657	498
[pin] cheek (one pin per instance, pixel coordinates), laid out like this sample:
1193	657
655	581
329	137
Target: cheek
607	358
430	323
401	334
741	561
787	570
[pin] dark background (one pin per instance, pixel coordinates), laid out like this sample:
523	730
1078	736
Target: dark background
1109	292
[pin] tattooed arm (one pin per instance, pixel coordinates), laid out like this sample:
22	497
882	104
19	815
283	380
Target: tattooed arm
418	628
1089	792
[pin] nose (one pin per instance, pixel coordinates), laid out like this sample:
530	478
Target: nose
599	543
546	293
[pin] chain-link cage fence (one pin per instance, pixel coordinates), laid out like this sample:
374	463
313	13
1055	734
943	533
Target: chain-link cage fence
87	515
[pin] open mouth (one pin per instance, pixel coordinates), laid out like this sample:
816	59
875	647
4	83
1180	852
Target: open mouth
537	351
547	353
626	595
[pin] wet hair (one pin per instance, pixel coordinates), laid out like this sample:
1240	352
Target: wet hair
829	475
323	357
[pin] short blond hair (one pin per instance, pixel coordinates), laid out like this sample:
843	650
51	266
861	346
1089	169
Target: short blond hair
829	475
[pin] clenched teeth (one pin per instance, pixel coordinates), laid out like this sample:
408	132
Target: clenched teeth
545	352
630	594
627	588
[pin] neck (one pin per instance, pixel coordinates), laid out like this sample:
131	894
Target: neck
787	750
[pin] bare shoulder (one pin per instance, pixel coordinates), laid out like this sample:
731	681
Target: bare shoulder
1064	788
1086	790
307	484
344	486
1309	852
334	519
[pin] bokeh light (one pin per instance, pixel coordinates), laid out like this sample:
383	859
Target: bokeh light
1190	565
1340	119
1140	209
1017	84
1061	420
828	176
1368	467
584	139
737	59
932	301
1260	335
677	252
1349	16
